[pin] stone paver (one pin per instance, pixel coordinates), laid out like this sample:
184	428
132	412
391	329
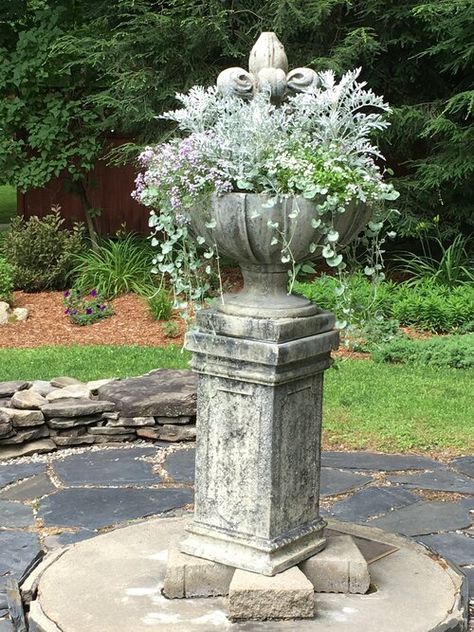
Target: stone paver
180	465
111	467
13	514
6	626
374	501
12	473
453	546
68	537
98	508
112	486
29	489
441	480
377	462
424	518
338	482
465	465
17	550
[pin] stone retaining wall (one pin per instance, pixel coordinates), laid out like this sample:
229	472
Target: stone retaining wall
41	416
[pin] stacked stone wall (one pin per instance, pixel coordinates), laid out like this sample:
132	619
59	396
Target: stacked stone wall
41	416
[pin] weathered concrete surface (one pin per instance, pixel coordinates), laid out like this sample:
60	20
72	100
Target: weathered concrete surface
189	576
339	568
288	595
113	583
257	487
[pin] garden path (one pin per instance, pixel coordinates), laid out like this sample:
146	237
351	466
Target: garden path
50	501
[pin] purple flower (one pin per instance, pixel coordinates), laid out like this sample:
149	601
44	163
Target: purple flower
67	311
94	293
102	307
89	310
67	293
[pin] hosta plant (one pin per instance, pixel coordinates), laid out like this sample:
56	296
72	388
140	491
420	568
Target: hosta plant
316	145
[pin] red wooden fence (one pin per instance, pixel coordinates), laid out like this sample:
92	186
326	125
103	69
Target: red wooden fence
110	191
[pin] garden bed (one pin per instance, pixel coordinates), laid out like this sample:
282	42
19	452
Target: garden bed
47	324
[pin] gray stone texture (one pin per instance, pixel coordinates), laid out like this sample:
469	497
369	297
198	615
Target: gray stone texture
465	465
7	389
339	568
188	576
130	422
105	507
5	425
68	441
27	400
110	467
457	547
6	625
371	502
17	550
180	465
257	500
24	435
425	518
169	432
114	581
23	418
76	407
35	447
14	514
441	480
62	382
288	595
161	393
335	482
17	472
377	462
29	489
68	537
61	423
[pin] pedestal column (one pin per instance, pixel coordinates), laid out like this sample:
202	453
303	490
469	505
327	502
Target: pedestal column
258	439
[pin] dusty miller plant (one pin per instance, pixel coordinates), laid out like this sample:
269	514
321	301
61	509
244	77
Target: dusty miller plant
317	145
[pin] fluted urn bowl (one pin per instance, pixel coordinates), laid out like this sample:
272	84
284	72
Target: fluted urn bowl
243	227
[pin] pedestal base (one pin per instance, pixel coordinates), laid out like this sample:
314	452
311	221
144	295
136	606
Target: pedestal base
258	439
113	583
257	555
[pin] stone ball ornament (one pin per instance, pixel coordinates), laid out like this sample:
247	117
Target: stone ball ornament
268	70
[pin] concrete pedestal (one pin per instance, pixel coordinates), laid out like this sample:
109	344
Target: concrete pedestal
258	439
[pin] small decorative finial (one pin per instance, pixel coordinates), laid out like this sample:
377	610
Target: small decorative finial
268	70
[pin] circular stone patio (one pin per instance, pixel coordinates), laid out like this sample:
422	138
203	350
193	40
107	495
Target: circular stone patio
112	583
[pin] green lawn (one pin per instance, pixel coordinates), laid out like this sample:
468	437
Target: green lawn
391	408
7	203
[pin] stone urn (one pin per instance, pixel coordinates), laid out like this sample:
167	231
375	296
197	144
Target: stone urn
247	228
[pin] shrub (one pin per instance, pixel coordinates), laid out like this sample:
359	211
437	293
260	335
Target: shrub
85	310
6	281
451	268
41	251
444	351
160	304
426	306
118	267
170	329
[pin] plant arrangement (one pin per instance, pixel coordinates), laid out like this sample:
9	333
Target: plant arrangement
85	309
316	145
117	267
41	251
373	308
6	281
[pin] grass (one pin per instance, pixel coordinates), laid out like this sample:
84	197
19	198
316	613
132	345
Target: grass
87	362
7	203
399	408
390	408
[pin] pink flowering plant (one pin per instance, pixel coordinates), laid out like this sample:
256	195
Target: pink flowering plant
85	309
318	145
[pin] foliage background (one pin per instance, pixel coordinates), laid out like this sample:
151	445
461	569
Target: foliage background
74	72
